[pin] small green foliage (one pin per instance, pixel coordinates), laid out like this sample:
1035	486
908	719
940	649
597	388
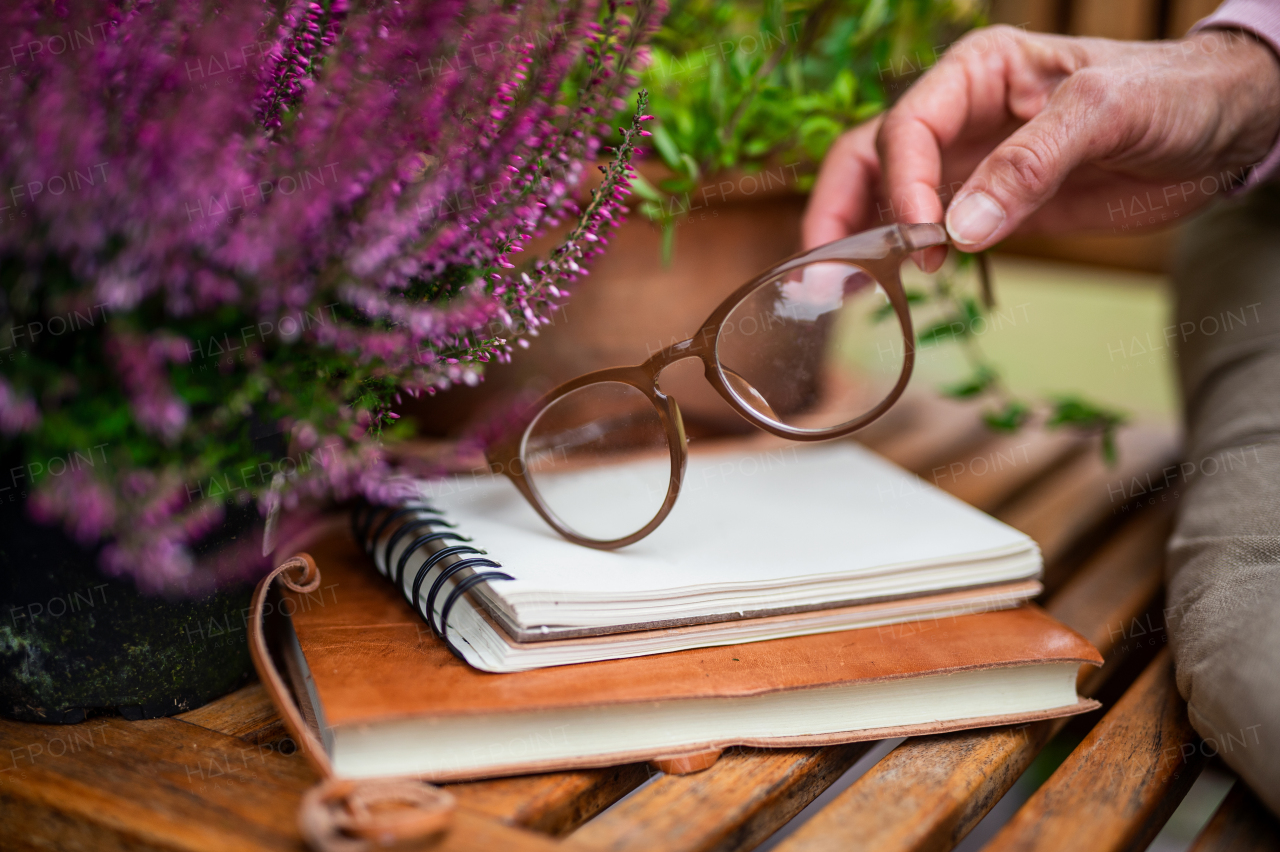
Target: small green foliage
953	328
1077	413
963	314
979	383
1008	419
771	85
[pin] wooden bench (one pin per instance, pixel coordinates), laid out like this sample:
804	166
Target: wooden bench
223	777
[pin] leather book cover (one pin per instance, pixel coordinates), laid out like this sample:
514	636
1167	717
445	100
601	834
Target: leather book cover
373	659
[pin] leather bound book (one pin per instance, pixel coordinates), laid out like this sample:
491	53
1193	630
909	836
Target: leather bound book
387	698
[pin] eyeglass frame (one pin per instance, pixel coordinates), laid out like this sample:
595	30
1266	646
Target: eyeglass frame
879	252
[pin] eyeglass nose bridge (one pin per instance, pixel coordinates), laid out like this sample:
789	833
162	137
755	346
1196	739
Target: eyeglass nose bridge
700	346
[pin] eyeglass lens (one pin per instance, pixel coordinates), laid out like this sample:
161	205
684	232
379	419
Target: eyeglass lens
599	460
814	348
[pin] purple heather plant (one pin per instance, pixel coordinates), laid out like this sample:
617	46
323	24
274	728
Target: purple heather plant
234	232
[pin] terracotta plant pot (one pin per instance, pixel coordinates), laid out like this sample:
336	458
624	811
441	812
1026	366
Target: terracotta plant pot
632	304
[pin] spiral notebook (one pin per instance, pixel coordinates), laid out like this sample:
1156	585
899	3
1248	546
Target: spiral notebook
784	542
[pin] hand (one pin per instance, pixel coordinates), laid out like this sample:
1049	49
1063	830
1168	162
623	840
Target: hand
1050	133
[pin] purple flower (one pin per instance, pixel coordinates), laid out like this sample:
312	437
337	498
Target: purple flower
285	217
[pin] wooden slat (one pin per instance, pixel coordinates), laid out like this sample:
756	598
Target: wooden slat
1117	789
926	794
1063	509
157	784
556	803
1111	609
929	792
936	442
164	784
246	713
992	472
935	431
1241	824
735	804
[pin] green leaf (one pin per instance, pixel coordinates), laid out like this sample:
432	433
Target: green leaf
1008	419
666	147
1078	413
983	378
644	189
867	110
1109	452
951	328
690	167
668	242
1075	411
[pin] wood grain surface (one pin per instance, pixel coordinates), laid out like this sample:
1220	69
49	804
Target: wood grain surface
1065	511
929	792
246	713
224	776
556	803
1119	786
737	803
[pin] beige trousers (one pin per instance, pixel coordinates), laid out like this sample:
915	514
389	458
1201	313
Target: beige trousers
1223	565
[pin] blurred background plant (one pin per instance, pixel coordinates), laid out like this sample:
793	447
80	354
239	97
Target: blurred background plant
948	311
237	232
746	85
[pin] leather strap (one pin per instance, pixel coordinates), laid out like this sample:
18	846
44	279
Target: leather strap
340	815
308	580
355	816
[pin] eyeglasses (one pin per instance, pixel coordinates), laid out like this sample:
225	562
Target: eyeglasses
602	457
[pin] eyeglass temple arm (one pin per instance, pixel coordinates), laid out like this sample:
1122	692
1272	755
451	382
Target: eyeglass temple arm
928	235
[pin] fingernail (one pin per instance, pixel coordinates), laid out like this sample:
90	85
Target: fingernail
974	218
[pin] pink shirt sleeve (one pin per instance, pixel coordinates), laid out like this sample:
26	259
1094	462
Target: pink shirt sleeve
1262	18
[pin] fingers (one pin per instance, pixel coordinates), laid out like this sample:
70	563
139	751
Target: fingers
1083	121
987	84
962	93
842	199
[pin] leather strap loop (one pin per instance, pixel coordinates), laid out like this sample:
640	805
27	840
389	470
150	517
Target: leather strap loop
355	816
277	691
340	815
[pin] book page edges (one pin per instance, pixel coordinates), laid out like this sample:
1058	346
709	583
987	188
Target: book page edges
1083	705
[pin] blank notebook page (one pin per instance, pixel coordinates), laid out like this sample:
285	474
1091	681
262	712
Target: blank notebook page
789	526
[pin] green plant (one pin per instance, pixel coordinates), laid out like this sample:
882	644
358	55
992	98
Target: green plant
744	85
747	85
957	314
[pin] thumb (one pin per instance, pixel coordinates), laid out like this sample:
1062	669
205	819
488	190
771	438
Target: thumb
1025	170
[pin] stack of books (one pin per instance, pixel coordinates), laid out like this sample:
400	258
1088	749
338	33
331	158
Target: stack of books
796	596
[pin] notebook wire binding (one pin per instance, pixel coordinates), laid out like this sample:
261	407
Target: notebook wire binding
431	533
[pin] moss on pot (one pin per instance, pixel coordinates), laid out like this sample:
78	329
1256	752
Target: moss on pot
74	642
